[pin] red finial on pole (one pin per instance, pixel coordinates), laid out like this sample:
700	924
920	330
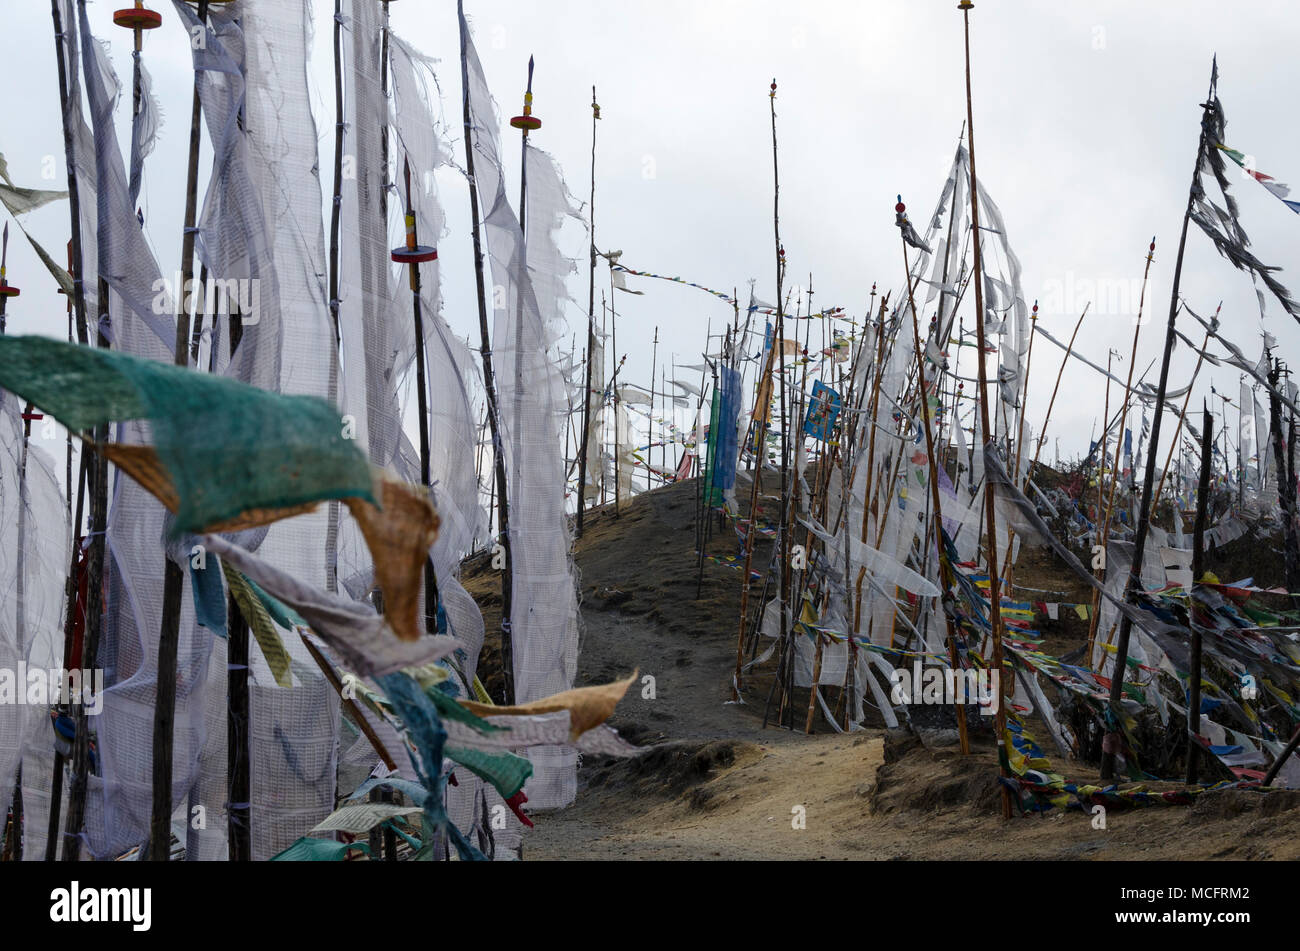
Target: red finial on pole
137	19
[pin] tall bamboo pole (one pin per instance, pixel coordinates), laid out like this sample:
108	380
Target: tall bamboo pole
336	211
173	577
1008	566
13	846
489	377
945	569
650	426
995	595
77	321
1104	518
414	256
618	450
1200	358
1102	531
868	496
1051	403
760	443
98	479
1286	488
384	58
591	330
1194	611
778	341
1110	744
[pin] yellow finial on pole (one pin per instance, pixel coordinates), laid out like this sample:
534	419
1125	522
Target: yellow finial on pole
529	122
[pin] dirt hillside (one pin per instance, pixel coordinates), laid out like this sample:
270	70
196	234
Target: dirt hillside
717	785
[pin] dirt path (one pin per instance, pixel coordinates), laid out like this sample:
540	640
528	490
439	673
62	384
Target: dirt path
719	786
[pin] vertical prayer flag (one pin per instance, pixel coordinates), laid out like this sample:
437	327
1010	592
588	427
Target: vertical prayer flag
823	411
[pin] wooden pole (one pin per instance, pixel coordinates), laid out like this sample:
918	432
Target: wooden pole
1029	473
778	341
759	447
93	628
1008	568
336	210
1024	395
1103	521
98	484
422	393
1200	358
1110	745
1286	490
868	501
173	577
945	569
13	846
70	598
650	426
354	711
384	57
1194	611
618	365
489	378
591	332
238	762
74	199
1102	532
995	595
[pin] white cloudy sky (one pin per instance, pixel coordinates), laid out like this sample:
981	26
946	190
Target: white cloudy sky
1086	126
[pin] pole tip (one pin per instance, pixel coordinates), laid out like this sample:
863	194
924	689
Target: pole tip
965	5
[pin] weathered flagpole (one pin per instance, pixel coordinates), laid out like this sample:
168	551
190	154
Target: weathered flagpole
98	508
1104	519
990	512
762	386
525	123
383	139
591	330
1194	612
1052	402
413	254
7	290
1007	566
945	569
489	377
778	343
173	577
336	211
77	310
1110	744
1178	430
13	846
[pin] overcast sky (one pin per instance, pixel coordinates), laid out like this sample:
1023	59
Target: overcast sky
1086	127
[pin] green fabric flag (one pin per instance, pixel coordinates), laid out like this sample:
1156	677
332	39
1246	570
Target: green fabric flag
507	772
228	447
308	849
